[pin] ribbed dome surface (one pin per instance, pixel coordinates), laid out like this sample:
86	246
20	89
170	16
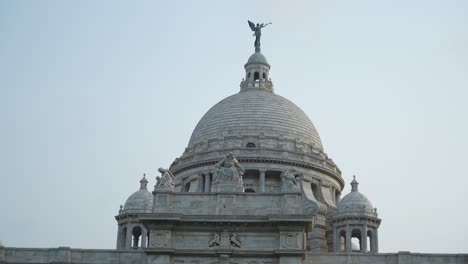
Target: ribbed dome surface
355	202
256	112
256	58
141	201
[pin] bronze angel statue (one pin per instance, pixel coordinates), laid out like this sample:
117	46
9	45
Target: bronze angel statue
257	29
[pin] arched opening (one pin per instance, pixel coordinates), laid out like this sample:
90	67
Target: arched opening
187	187
315	191
136	233
123	239
249	75
342	242
337	197
264	76
356	240
147	238
249	190
250	145
256	76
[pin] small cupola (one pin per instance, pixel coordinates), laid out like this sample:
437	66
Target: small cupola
141	200
355	219
257	71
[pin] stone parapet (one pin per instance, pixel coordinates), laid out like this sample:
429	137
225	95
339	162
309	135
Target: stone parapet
13	255
240	204
68	255
403	257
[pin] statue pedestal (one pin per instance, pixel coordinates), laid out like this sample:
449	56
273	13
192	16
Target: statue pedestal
227	187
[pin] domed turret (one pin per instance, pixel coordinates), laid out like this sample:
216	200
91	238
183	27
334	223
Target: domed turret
355	203
131	233
355	217
141	200
257	58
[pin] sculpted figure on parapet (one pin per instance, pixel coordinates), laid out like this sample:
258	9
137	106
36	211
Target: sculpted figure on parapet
166	181
228	170
290	181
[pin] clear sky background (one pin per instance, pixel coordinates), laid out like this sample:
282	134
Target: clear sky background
96	93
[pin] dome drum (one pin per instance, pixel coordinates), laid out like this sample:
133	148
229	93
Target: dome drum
322	177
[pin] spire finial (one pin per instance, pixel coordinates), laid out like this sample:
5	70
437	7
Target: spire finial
354	184
143	182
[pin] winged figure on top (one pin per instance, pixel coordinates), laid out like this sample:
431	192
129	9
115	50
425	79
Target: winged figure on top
257	29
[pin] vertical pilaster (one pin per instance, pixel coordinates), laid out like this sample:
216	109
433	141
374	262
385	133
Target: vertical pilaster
261	182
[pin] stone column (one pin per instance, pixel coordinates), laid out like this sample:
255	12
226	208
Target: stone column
376	241
129	240
261	182
335	239
119	237
348	248
2	254
144	234
364	239
207	182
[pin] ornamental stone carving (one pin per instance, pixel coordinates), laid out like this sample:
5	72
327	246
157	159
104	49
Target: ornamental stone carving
290	240
224	240
290	181
228	175
159	239
165	182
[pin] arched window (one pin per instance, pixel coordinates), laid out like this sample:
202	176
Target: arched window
249	190
147	238
337	197
264	76
315	191
250	145
248	75
136	233
342	242
356	240
187	187
256	76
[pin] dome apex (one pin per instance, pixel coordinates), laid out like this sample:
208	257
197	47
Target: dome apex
257	58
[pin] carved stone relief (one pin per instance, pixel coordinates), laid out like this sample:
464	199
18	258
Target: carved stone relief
290	240
252	261
224	240
159	239
194	260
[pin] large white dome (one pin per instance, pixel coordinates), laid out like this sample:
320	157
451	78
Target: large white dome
256	112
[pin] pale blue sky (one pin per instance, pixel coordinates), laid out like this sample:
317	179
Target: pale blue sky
95	93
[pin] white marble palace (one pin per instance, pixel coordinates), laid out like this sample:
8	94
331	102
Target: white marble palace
253	186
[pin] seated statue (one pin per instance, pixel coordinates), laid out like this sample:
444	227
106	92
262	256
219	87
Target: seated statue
290	181
166	181
228	170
